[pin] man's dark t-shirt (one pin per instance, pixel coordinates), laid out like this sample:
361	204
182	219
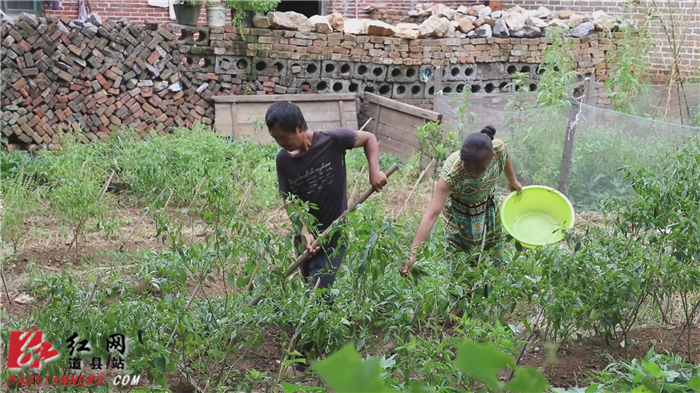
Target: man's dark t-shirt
319	176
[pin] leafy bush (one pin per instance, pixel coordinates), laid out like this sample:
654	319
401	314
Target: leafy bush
19	203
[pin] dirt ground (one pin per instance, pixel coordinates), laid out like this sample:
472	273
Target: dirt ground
577	361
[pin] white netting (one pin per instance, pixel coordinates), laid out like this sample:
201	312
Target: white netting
604	140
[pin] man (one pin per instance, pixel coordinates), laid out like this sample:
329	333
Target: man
311	166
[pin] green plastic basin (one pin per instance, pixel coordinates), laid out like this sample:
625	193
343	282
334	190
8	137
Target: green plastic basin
539	216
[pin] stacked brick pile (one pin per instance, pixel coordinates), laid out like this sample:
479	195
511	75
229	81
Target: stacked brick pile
97	77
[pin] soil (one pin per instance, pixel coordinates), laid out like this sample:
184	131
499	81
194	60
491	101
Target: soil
580	360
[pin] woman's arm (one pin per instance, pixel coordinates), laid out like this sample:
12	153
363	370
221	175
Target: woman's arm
426	224
513	183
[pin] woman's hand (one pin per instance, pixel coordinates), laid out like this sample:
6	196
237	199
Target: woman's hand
515	186
406	268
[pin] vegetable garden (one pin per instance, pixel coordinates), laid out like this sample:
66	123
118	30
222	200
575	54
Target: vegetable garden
167	242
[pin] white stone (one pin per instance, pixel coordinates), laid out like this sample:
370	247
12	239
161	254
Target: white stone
441	10
517	9
497	14
575	20
321	24
484	31
465	25
436	27
409	31
289	21
484	12
474	10
514	20
355	26
336	20
377	27
536	22
500	29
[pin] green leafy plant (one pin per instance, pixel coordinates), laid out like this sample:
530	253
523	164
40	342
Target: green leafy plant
434	143
19	203
559	69
629	65
243	6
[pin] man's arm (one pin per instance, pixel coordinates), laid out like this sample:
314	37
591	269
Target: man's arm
365	139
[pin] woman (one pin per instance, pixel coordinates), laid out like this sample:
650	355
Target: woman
468	179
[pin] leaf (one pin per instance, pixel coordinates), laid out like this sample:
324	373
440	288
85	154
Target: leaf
291	388
345	371
293	361
653	369
159	364
527	380
482	362
694	382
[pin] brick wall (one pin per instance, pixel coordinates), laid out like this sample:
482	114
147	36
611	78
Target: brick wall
685	12
149	76
132	10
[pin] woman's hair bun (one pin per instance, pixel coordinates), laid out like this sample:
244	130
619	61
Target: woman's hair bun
490	131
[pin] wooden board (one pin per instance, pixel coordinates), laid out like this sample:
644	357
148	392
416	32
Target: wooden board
244	116
395	124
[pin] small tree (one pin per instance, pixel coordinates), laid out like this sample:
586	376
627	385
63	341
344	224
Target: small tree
19	202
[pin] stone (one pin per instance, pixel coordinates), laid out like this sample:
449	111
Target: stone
490	21
514	20
565	14
542	13
355	26
463	9
602	21
483	31
558	23
94	19
474	10
484	12
321	24
500	29
536	22
6	19
479	22
497	14
517	9
471	34
290	21
582	30
261	22
379	28
575	20
441	10
436	27
409	31
527	32
336	20
465	25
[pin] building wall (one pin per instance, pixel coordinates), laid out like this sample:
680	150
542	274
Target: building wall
686	13
356	8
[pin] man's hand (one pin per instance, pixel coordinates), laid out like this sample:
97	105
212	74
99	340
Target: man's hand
309	240
515	186
406	268
377	179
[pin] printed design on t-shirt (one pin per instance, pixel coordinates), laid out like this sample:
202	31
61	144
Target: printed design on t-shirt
312	182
